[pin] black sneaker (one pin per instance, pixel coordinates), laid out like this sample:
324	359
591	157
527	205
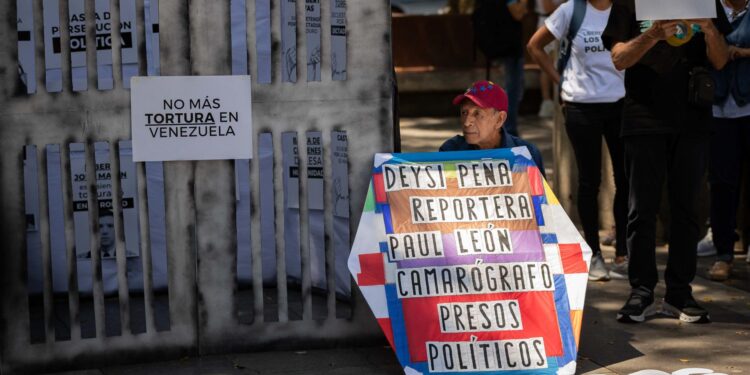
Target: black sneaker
687	310
640	305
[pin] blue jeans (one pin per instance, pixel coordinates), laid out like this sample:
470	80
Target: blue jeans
513	67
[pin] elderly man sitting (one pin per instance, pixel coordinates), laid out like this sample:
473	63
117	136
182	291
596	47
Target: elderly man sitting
484	109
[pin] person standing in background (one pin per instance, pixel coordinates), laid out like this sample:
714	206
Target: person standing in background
731	139
592	91
666	127
497	31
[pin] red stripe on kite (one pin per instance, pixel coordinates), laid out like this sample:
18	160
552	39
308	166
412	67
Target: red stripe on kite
572	258
385	325
535	180
378	185
373	271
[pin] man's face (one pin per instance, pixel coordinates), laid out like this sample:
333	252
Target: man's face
107	232
481	126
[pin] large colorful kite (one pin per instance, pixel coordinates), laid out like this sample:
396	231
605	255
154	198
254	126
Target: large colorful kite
470	264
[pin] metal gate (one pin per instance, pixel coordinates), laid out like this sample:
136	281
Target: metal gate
208	256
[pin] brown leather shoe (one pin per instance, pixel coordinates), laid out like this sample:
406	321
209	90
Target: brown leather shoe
720	271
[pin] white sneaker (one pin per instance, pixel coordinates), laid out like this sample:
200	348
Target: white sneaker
706	246
597	269
547	109
619	271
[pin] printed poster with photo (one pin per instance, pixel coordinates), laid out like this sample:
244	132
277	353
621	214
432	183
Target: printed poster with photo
470	264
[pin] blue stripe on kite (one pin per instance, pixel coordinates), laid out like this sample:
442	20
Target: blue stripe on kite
398	325
420	157
563	320
549	238
383	247
538	201
387	220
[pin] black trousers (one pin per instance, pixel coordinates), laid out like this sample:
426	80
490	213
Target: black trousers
650	161
729	144
586	124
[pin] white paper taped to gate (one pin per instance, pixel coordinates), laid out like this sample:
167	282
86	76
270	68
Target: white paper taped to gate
191	118
263	39
77	28
653	10
52	55
128	41
25	27
312	30
103	17
288	40
338	40
151	20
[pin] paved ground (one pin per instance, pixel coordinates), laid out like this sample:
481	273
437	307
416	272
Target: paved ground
606	346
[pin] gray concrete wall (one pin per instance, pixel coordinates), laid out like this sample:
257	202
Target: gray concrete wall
199	194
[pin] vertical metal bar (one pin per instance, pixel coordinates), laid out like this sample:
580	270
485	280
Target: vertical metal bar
81	218
268	225
107	238
316	223
339	191
244	296
292	258
103	44
307	293
158	238
58	247
129	214
129	41
26	44
34	269
263	40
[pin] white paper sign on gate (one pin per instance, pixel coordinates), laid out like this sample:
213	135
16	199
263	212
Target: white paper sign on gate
26	62
191	118
654	10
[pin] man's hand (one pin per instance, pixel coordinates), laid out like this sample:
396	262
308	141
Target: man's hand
663	30
627	54
706	24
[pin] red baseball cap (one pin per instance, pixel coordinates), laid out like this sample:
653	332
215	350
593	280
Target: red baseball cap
485	94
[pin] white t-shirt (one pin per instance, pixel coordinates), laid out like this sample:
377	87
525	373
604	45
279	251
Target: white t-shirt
730	108
590	76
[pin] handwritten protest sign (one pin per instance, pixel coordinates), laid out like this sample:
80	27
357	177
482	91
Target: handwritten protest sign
470	264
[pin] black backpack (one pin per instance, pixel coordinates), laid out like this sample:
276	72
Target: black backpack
496	33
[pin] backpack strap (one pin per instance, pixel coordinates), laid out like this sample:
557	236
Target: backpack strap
566	44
